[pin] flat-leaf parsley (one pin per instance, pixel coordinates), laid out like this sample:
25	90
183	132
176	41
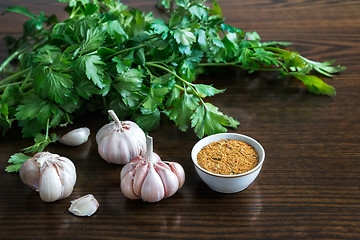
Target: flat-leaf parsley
106	55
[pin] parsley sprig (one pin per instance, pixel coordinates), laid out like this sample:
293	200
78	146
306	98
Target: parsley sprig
108	56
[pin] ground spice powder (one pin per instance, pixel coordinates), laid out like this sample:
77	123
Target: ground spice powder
228	157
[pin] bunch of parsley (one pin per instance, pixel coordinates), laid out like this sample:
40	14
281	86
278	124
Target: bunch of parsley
108	56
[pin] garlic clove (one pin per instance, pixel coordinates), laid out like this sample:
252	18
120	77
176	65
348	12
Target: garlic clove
139	177
67	175
152	189
179	171
108	148
169	180
30	173
155	157
127	185
130	165
50	186
162	164
75	137
104	131
84	206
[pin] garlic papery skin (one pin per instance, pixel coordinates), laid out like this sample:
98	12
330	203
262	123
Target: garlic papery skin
126	185
130	166
152	189
169	180
84	206
140	174
75	137
150	178
54	179
179	171
30	173
120	141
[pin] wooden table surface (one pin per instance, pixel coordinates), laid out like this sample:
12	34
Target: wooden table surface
308	187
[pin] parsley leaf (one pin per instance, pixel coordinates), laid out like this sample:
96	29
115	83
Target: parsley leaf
128	85
155	97
207	90
34	107
55	85
315	84
184	36
94	39
147	119
207	119
182	110
160	27
16	161
91	66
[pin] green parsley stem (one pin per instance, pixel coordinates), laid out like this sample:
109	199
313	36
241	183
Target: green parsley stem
180	87
174	74
25	81
12	57
131	48
185	90
151	64
275	49
10	84
14	76
73	13
8	60
237	65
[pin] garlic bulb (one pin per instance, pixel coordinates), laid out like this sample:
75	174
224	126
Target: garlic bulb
84	206
51	175
75	137
118	141
150	178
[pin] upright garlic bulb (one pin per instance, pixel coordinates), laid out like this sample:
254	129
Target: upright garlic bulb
51	175
118	141
150	178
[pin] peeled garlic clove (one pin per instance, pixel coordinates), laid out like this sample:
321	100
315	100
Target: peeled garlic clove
179	171
127	185
30	173
152	189
84	206
169	180
75	137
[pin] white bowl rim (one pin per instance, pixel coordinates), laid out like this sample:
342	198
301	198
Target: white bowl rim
228	136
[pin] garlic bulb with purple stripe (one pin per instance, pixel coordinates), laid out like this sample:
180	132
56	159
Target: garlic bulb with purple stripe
119	141
149	178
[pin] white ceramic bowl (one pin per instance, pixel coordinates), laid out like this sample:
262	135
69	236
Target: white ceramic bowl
228	183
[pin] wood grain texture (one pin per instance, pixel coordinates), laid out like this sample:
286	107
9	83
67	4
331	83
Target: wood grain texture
308	187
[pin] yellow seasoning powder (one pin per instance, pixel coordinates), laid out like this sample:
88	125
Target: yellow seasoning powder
228	157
